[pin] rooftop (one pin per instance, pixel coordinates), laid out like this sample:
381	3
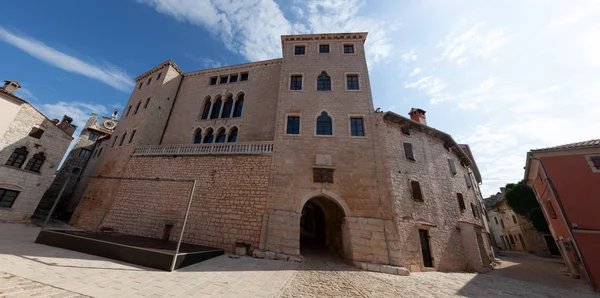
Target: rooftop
578	145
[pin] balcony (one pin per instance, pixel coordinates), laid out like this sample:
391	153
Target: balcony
206	149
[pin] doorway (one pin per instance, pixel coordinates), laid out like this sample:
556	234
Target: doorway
321	227
552	247
425	248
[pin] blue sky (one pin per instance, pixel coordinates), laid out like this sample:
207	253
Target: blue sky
502	76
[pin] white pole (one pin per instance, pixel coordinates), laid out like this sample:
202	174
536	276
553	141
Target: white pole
187	212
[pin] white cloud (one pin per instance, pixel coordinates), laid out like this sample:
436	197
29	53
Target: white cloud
460	48
410	56
415	71
26	94
205	62
108	74
432	85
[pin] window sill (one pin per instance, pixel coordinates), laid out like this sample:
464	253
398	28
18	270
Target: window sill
353	90
6	208
358	137
292	135
295	90
324	136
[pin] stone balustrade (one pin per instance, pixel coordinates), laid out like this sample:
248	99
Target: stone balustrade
206	149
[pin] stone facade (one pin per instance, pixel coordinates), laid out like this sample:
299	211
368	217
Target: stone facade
27	130
269	176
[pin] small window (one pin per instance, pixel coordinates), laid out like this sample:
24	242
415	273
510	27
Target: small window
496	219
158	76
296	82
99	152
149	80
17	158
244	76
550	209
474	211
352	82
293	125
35	162
323	82
213	80
131	137
123	139
36	132
461	202
512	240
324	125
595	162
514	219
233	134
233	78
324	48
114	142
323	175
452	166
415	188
76	171
7	197
405	130
85	153
468	180
93	136
239	106
408	151
348	49
502	223
223	79
147	102
356	127
137	107
299	50
140	87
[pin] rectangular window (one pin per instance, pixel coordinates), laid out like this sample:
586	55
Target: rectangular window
299	50
149	80
93	136
85	153
293	125
36	132
213	80
415	188
496	219
131	137
128	110
233	78
7	197
452	166
114	142
356	127
405	130
502	223
352	82
514	219
296	82
137	107
461	202
348	49
223	80
512	240
99	152
323	175
147	102
324	48
595	162
408	151
468	180
244	76
158	76
550	208
140	87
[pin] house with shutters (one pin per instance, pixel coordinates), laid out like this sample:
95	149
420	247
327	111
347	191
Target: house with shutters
289	156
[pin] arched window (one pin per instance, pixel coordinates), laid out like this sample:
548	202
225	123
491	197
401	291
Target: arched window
221	137
197	136
209	137
35	162
324	126
17	158
227	107
239	105
123	139
216	109
232	135
323	82
206	109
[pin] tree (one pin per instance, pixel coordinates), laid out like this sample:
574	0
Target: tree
522	200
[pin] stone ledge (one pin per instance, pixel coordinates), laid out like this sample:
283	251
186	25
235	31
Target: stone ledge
382	268
269	255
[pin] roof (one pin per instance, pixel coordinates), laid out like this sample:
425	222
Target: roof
493	200
159	67
448	140
578	145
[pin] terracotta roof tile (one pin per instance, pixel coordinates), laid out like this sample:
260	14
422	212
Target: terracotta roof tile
578	145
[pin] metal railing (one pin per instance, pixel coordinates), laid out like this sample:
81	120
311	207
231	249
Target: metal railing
206	149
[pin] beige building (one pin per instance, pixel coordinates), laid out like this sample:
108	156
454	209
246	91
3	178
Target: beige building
31	147
289	156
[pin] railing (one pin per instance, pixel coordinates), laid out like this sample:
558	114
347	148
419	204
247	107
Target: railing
206	149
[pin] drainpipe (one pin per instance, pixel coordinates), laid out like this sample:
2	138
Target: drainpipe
566	222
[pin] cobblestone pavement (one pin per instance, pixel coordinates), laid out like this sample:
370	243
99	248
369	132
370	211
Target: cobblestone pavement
51	270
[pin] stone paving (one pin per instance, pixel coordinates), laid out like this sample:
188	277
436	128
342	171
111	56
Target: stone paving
48	271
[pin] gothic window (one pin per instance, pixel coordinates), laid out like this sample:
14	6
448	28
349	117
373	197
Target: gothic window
323	82
221	137
132	135
323	175
17	158
216	109
239	105
206	108
227	107
356	127
293	125
296	82
35	162
352	82
36	132
233	134
197	136
7	197
209	137
324	125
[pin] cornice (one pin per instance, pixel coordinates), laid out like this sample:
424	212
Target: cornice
159	68
327	36
237	67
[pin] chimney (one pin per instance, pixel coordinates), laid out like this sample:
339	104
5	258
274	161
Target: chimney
66	125
10	86
114	115
418	115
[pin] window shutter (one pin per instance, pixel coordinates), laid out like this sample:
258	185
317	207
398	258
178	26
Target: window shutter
452	166
408	151
416	191
461	202
469	182
405	130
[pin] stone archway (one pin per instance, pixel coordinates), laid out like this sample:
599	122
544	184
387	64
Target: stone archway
322	226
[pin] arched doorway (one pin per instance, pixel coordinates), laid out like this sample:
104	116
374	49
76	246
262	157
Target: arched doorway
321	227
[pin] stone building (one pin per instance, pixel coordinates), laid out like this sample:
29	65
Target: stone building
289	156
74	165
31	147
512	231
